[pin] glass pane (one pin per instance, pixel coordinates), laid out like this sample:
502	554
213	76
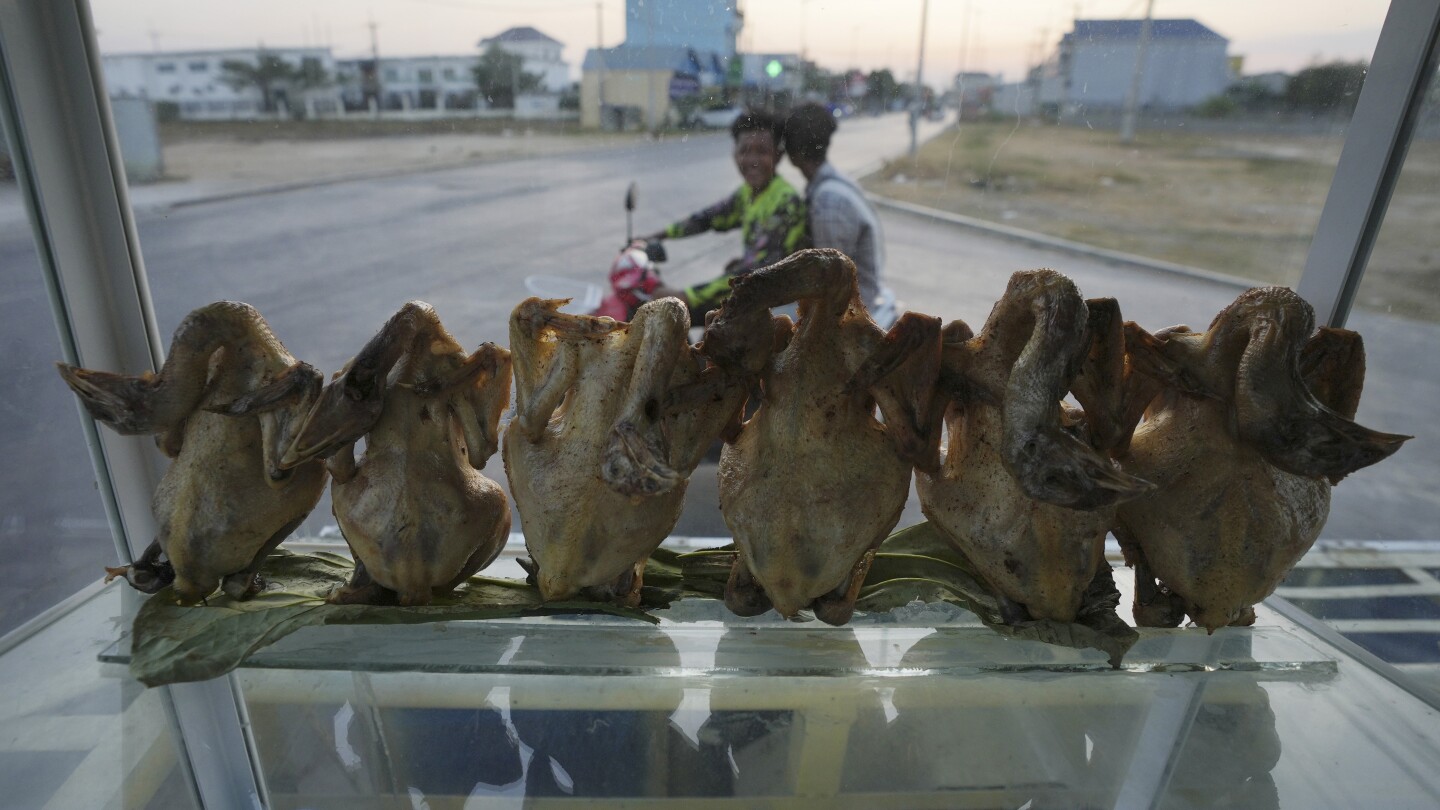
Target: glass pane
1397	310
79	733
916	714
53	532
326	188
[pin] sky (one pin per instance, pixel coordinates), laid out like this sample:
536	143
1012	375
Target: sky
993	36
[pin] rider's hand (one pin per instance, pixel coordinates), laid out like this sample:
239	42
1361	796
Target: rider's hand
666	291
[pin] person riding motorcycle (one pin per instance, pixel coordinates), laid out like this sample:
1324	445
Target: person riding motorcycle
767	209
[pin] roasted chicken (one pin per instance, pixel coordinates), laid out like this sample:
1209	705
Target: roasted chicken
225	404
419	516
814	481
1026	489
1251	427
611	419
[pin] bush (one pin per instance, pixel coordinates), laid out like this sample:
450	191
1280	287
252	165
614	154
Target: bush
167	111
1217	107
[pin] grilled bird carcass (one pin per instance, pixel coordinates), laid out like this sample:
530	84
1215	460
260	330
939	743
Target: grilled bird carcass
1026	489
417	512
611	419
1252	426
226	402
814	481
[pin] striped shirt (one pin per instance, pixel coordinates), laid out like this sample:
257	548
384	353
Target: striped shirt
841	218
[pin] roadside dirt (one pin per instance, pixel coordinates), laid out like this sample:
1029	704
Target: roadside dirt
1245	205
264	153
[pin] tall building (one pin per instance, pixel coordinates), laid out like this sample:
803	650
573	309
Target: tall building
1185	64
706	26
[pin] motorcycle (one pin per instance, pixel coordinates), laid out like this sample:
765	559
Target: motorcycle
634	275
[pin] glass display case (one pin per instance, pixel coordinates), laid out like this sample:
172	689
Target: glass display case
1332	698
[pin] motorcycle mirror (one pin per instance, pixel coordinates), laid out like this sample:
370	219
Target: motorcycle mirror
630	198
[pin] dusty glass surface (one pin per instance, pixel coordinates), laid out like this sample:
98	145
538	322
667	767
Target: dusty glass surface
328	203
328	224
1396	616
870	713
79	733
53	532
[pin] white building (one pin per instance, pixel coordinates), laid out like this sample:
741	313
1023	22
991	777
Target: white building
193	81
1185	64
409	82
540	53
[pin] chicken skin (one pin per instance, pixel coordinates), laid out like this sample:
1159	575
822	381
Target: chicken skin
814	481
418	514
1026	490
1252	425
611	419
225	404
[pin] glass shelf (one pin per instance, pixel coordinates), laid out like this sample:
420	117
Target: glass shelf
920	707
694	639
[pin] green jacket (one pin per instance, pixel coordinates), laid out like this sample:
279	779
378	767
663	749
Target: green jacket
772	225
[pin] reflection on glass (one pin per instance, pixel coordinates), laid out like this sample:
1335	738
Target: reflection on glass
1397	310
417	151
76	734
53	533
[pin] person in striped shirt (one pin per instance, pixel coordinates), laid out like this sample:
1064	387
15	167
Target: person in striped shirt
840	216
766	208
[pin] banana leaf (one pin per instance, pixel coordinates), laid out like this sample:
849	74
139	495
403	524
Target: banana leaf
173	643
918	562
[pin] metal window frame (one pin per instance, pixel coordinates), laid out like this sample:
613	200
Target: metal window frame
66	155
67	161
1372	158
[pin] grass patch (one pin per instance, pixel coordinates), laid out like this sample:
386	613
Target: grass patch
1245	205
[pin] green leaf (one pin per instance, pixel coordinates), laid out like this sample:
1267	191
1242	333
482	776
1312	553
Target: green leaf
172	643
920	563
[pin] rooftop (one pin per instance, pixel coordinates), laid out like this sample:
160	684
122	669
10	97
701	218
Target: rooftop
521	33
1130	29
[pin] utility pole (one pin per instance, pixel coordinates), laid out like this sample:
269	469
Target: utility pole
600	59
919	84
803	4
375	59
651	119
1132	99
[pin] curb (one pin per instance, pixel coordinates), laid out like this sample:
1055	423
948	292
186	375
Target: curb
1056	243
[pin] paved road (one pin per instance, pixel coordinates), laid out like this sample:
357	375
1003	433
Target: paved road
328	264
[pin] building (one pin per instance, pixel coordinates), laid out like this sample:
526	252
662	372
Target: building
638	86
707	26
540	52
973	93
409	82
1092	70
194	81
672	50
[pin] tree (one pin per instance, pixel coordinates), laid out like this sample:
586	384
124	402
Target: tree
500	75
815	79
880	89
268	73
310	75
1332	87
